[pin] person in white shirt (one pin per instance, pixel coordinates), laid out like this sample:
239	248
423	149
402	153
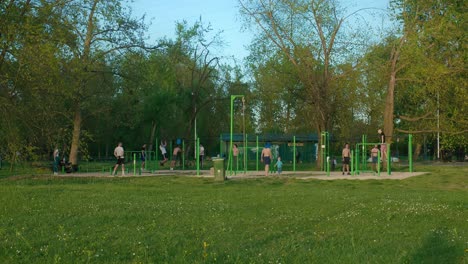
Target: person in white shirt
162	147
119	155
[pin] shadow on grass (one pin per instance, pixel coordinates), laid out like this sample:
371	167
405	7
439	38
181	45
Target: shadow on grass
438	247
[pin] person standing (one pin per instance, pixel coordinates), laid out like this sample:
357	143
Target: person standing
162	147
266	158
235	154
298	156
56	161
175	155
143	157
119	155
374	157
346	156
383	146
279	165
202	155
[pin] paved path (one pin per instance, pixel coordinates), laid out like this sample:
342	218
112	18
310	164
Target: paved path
303	175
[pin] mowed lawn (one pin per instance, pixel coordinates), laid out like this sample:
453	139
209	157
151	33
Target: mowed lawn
275	220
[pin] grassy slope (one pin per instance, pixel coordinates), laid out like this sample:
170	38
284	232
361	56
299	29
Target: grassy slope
177	220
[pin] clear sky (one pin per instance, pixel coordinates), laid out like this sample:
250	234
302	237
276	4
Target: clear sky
223	15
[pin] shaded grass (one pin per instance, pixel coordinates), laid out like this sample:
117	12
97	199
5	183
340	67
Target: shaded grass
179	220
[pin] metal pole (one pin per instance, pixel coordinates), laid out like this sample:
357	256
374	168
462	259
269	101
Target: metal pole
198	155
183	154
257	153
327	147
237	163
243	132
246	151
352	163
410	152
170	146
294	153
134	164
378	162
195	136
363	154
328	165
156	155
357	159
438	127
233	97
230	135
322	149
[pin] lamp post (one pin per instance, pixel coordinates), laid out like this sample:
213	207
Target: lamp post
438	127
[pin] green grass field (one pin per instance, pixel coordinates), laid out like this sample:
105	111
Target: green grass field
276	220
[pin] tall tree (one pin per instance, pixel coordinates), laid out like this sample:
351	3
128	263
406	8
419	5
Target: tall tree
308	33
31	80
101	29
428	69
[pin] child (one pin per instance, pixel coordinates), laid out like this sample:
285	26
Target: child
279	165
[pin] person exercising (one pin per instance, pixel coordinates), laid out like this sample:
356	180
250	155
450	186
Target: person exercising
266	158
162	147
143	157
383	147
346	156
119	155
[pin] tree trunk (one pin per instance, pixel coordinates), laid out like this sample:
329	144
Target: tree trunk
389	101
320	126
417	151
153	133
76	137
78	119
389	106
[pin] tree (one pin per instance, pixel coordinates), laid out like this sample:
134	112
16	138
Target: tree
98	30
31	80
428	73
309	34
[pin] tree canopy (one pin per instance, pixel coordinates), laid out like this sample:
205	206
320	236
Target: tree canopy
81	75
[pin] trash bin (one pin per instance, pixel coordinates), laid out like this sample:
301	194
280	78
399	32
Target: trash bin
219	172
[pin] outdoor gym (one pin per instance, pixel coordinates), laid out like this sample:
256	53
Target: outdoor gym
239	155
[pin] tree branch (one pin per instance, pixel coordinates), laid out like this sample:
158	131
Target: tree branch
430	131
413	119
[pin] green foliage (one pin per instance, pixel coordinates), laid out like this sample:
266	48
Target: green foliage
432	69
58	60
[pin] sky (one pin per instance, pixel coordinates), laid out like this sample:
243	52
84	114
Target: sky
223	15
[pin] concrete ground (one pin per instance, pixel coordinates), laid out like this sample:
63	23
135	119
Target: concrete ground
303	175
